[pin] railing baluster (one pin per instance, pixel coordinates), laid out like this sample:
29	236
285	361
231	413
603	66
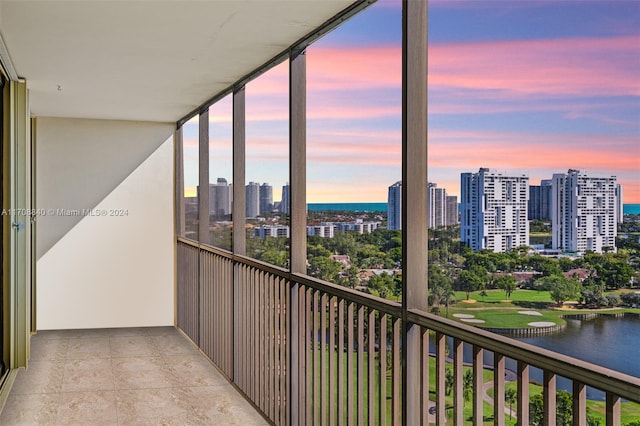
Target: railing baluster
396	378
371	339
261	301
523	394
382	386
549	398
579	404
309	354
323	360
478	367
243	318
360	389
332	361
302	355
424	410
271	388
441	375
613	410
286	396
316	358
350	369
498	389
341	396
458	384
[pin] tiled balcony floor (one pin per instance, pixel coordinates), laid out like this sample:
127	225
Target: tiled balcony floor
133	376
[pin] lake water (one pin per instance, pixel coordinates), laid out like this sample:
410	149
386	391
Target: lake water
610	342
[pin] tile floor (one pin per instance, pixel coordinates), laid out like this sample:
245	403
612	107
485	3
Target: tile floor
129	376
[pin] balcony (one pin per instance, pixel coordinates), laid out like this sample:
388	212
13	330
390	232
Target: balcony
267	344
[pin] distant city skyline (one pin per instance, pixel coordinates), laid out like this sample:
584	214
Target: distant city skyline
523	86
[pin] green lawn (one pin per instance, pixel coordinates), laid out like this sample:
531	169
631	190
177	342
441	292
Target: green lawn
502	318
500	297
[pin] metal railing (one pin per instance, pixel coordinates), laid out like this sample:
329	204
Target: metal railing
309	352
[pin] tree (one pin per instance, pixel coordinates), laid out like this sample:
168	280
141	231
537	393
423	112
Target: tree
324	268
560	287
383	284
472	279
510	397
467	386
630	299
448	381
439	286
564	408
614	271
564	411
506	283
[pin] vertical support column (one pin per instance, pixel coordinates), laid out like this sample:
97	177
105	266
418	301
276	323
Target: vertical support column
179	181
203	212
297	209
414	196
298	160
203	178
238	216
239	156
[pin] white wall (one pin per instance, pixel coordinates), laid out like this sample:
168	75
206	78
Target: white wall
104	271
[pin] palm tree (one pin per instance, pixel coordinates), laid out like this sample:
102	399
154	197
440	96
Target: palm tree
467	386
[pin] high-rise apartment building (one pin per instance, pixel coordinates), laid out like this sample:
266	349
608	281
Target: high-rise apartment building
436	209
220	198
494	210
252	195
540	201
452	210
584	208
266	198
442	210
284	204
394	206
619	204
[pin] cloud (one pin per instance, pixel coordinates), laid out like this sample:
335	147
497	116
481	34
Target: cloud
354	67
572	66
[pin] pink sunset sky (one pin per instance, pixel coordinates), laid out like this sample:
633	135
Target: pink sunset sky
528	87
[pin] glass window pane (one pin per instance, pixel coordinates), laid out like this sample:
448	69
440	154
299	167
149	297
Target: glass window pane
221	173
191	161
267	166
354	151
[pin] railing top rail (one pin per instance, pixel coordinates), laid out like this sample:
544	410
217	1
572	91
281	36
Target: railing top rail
601	378
368	300
380	304
188	242
267	267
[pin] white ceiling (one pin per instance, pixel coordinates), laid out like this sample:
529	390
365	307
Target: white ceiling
146	60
